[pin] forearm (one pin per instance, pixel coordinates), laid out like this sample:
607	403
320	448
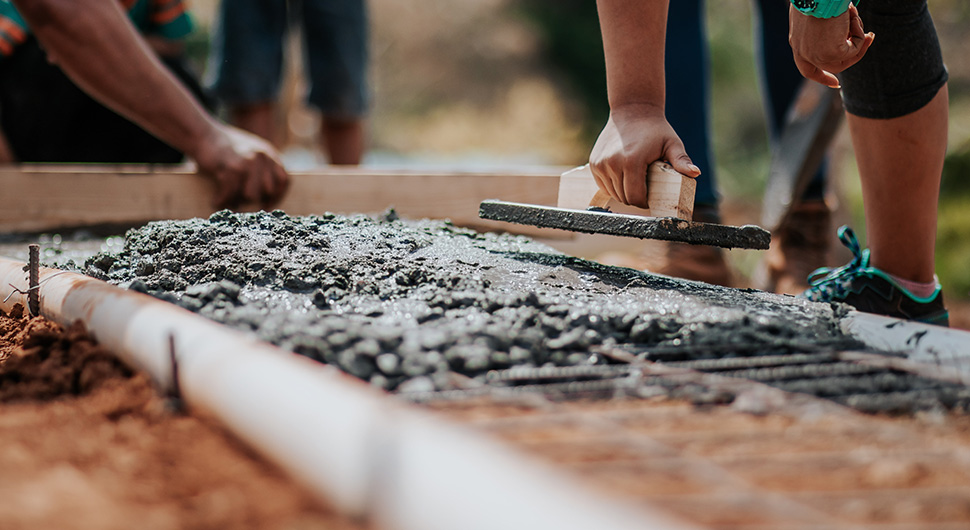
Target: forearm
633	43
96	45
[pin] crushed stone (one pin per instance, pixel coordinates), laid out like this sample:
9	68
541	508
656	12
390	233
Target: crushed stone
426	305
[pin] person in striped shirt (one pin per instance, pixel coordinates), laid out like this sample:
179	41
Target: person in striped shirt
115	51
45	117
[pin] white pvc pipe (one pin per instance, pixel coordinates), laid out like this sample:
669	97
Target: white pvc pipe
353	445
948	349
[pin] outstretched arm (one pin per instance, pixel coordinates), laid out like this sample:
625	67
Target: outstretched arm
96	45
637	132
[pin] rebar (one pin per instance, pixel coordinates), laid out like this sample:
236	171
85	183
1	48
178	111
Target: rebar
33	291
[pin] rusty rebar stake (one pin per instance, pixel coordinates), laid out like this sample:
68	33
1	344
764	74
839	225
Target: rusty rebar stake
33	291
175	393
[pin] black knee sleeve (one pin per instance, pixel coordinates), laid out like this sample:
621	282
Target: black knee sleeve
903	70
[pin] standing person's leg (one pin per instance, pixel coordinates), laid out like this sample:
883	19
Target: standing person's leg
688	88
900	162
336	36
897	104
780	78
802	245
247	60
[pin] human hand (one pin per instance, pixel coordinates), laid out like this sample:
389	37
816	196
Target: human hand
824	47
634	137
245	167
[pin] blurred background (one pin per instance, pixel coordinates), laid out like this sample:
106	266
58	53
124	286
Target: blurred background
491	84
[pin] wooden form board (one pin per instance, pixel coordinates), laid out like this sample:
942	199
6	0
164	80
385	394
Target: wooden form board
43	198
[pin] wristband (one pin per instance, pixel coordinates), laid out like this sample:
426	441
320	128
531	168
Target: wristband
822	8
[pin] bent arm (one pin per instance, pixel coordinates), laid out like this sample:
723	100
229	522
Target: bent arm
633	42
637	133
96	45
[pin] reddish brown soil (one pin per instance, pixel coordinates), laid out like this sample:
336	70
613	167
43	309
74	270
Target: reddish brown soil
822	467
86	443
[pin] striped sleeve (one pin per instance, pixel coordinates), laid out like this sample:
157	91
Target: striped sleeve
170	19
13	29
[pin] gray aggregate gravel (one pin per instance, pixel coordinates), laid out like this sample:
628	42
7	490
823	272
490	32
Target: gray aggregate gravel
408	304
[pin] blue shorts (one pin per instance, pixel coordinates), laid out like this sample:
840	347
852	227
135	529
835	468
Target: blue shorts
246	62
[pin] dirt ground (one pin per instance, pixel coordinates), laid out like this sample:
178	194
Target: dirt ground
799	467
87	444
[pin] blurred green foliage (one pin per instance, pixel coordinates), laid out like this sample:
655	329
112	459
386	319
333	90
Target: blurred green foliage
953	246
953	230
956	173
572	44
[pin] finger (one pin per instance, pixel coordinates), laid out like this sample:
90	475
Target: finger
619	183
676	155
597	171
267	180
264	181
678	158
859	47
238	196
222	198
855	26
280	182
814	73
224	193
605	179
827	78
635	186
229	197
251	182
611	187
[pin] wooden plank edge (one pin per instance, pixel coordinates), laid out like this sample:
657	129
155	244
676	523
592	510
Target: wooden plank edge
62	197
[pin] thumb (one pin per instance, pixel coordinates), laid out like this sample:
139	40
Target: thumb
677	157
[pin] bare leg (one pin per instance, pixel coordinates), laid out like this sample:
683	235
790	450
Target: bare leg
900	162
343	140
257	118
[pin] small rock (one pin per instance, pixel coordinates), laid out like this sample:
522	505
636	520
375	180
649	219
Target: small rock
417	385
389	363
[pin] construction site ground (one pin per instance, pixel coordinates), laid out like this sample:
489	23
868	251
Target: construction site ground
797	467
734	454
87	444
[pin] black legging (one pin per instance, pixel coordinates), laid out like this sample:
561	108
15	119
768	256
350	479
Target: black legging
903	70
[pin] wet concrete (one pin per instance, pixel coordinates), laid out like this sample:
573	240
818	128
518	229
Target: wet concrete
423	305
604	222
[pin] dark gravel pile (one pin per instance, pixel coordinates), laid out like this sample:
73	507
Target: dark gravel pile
423	305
